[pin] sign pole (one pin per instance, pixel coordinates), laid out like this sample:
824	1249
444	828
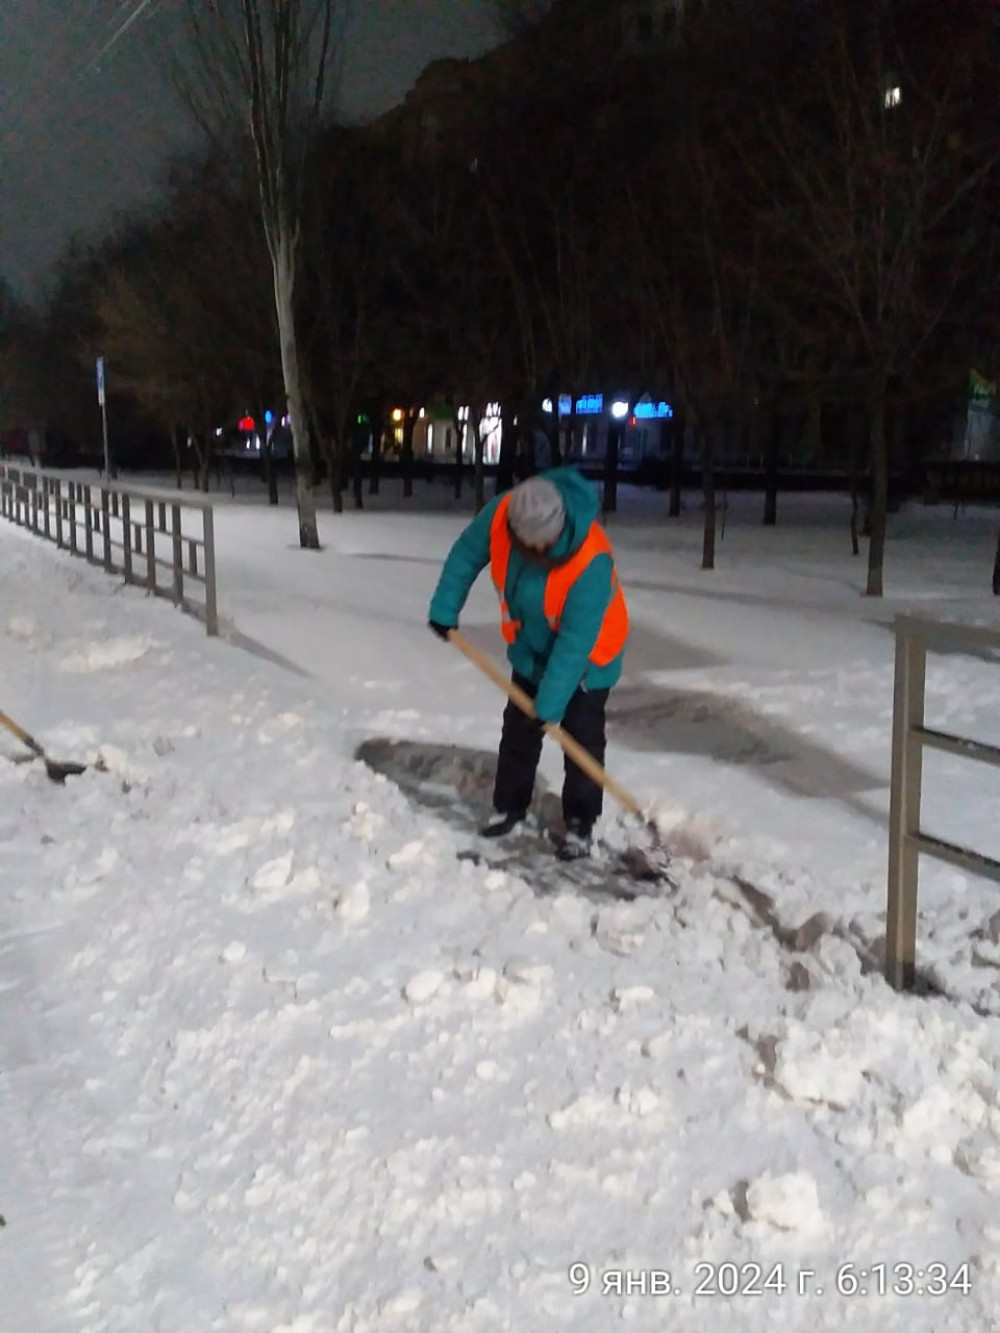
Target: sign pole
104	418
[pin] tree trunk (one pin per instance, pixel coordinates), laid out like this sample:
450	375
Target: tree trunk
270	473
852	469
678	430
376	463
880	490
479	476
335	463
177	445
508	451
708	490
406	458
610	503
283	262
552	435
459	453
266	460
773	448
358	476
996	570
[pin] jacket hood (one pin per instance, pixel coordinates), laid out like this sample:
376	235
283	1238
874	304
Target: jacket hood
582	503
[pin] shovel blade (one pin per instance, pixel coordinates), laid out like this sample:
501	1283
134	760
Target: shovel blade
648	866
60	772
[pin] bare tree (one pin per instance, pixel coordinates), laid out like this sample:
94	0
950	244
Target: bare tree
268	64
879	178
514	17
699	279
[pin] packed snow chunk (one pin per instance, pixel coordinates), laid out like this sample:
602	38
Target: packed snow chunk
483	983
419	989
234	953
815	1067
591	1109
279	726
273	874
692	837
245	832
304	1323
927	1114
639	1102
23	628
980	1157
526	973
518	995
354	903
404	1303
934	1120
406	855
306	880
625	999
108	653
364	822
107	860
110	759
789	1202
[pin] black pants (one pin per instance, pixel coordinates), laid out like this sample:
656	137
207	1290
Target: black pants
521	749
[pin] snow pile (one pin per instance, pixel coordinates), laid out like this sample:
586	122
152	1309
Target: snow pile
104	656
282	1061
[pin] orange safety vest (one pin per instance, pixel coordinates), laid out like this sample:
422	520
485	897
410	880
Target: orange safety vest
614	627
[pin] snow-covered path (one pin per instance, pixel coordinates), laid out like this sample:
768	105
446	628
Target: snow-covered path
272	1058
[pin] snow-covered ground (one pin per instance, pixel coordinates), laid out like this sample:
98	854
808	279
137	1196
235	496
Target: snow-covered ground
273	1058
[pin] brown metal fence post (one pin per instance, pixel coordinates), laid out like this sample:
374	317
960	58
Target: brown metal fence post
150	549
127	537
211	600
88	521
106	526
904	809
178	545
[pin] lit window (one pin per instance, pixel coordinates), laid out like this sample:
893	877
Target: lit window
893	94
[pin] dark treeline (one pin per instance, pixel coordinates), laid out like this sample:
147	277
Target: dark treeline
789	206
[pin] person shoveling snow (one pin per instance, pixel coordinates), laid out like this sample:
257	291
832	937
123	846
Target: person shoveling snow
565	622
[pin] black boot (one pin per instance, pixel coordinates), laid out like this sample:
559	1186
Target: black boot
502	823
574	844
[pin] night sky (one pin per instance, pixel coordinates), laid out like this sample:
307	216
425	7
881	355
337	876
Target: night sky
82	136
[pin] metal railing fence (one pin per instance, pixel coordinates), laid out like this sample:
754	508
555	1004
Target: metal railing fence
161	540
915	636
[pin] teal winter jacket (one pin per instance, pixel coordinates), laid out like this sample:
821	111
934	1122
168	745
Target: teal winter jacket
557	663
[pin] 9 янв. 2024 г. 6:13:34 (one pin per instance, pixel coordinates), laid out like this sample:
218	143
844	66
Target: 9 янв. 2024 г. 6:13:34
729	1280
903	1279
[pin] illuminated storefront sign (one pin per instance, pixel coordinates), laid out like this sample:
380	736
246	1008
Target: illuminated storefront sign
652	411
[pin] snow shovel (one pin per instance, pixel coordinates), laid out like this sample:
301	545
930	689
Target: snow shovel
643	864
56	771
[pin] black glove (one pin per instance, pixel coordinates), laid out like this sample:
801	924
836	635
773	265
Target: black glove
442	631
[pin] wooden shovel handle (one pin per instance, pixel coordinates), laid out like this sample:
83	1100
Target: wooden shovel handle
581	757
21	735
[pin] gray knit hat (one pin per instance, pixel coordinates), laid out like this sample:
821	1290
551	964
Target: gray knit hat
537	513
